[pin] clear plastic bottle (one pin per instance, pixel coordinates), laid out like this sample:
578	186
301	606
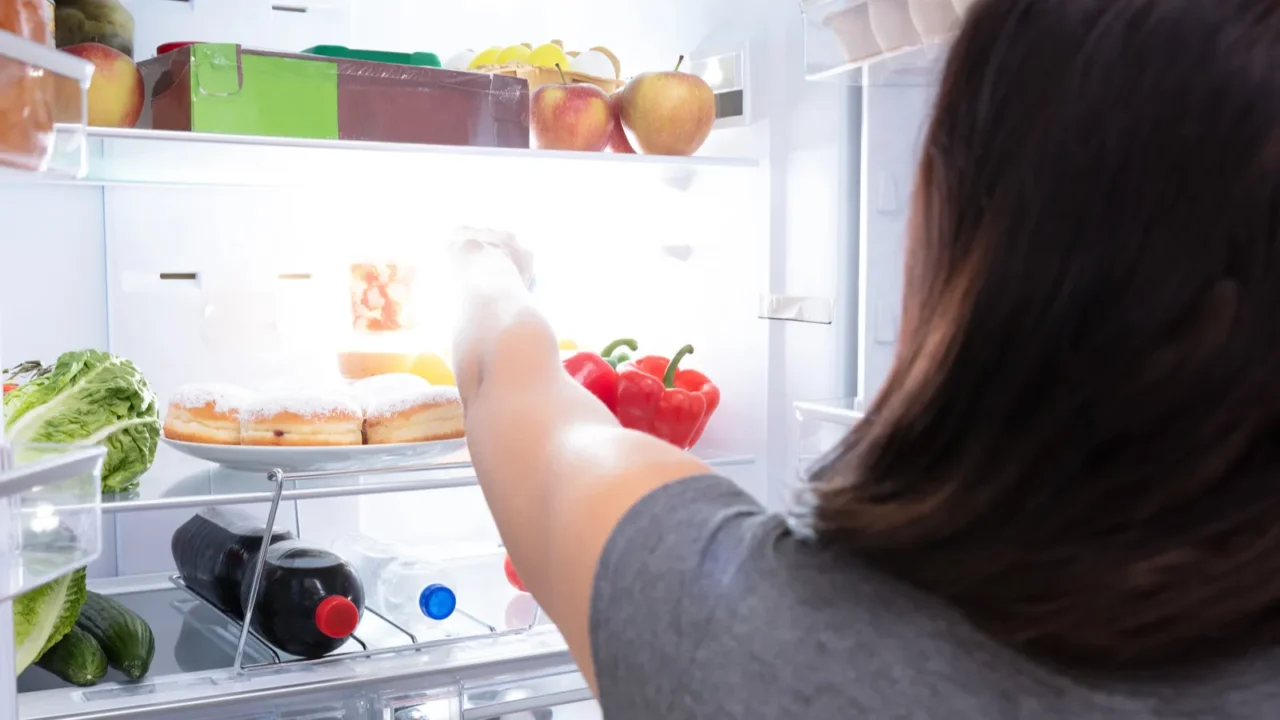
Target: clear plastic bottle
402	584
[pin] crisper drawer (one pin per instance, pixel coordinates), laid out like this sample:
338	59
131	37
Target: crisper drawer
561	694
51	507
823	424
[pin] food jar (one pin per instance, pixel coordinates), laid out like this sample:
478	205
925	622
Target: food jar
26	97
852	26
891	22
935	19
106	22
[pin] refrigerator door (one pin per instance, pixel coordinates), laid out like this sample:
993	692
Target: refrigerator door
898	95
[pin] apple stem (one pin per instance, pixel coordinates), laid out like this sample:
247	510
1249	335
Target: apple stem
561	71
679	63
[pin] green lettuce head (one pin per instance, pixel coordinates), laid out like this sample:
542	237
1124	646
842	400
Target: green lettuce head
42	616
90	397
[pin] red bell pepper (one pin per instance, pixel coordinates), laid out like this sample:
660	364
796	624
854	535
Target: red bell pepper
657	397
596	372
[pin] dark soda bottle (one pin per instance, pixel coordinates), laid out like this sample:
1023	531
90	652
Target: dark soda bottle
214	551
310	600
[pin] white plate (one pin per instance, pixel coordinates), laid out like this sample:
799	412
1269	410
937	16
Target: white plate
253	458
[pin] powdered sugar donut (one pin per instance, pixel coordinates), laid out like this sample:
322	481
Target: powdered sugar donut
302	420
206	413
401	408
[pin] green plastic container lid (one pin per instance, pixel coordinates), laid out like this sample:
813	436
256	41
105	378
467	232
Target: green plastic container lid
419	59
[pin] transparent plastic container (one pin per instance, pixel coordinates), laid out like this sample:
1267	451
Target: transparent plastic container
43	100
51	501
823	424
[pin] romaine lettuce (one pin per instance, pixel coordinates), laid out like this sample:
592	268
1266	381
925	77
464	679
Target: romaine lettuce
42	616
90	397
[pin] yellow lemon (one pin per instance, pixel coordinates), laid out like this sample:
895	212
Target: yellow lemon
567	344
548	56
515	53
484	57
433	368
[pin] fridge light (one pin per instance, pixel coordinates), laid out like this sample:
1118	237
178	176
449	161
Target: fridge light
713	75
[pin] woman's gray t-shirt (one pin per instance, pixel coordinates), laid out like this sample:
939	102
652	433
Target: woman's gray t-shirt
705	606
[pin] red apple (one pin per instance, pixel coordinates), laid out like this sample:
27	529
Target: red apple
618	141
571	117
668	113
115	94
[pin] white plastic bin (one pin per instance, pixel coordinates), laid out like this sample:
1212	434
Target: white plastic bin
51	501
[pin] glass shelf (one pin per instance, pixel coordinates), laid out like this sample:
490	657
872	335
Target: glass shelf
43	110
179	482
161	157
879	42
193	669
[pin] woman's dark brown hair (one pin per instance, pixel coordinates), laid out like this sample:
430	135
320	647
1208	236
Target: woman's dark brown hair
1079	442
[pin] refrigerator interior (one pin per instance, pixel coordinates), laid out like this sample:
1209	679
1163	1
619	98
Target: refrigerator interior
229	262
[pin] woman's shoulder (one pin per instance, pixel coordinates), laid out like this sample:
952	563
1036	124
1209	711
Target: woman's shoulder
702	593
707	605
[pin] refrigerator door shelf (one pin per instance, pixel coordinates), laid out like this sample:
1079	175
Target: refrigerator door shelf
844	36
823	424
51	503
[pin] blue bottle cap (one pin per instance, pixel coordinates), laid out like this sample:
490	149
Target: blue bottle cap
437	602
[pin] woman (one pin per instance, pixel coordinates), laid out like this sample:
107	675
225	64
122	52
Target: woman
1065	502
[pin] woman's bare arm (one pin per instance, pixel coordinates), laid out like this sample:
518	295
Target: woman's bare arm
557	470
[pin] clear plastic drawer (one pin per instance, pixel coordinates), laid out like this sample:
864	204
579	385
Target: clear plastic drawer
43	107
822	424
50	511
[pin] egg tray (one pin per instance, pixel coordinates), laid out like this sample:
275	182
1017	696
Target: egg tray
539	76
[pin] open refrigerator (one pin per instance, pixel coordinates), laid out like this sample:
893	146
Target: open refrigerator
776	250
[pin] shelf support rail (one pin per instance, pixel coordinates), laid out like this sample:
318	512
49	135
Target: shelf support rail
278	478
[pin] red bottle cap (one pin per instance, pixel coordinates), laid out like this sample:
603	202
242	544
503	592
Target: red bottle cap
337	617
171	46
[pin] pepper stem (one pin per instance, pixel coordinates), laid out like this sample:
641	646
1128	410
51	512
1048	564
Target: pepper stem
669	377
679	63
561	71
628	343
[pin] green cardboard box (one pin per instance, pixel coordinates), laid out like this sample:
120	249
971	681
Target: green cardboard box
224	88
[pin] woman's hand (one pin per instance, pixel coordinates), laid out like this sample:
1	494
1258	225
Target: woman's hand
491	272
473	242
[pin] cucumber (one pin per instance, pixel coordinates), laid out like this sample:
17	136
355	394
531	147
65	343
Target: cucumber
76	658
125	637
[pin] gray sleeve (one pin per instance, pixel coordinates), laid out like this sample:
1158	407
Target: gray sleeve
681	607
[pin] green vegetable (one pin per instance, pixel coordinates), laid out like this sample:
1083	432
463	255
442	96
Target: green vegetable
124	636
94	398
44	615
76	658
